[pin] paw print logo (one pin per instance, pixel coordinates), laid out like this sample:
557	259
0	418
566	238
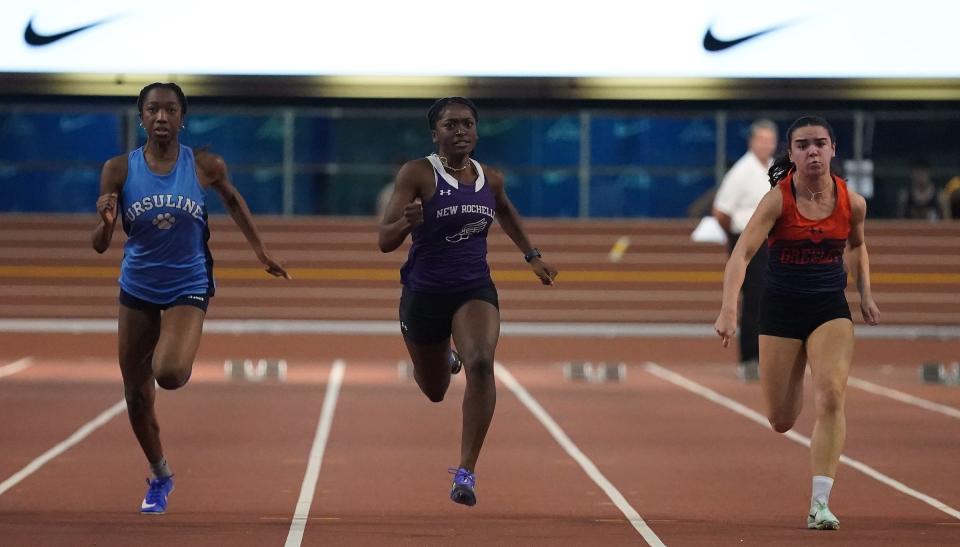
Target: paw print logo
164	221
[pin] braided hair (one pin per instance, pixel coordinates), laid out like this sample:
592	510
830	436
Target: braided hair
434	113
782	164
181	98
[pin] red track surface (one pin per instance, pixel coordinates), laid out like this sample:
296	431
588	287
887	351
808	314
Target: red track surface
698	473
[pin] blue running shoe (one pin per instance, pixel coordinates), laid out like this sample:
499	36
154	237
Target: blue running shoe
155	502
463	489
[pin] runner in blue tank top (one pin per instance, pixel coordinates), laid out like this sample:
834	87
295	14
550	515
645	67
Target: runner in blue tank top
447	202
166	278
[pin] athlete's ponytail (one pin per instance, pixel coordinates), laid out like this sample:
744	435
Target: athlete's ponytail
782	164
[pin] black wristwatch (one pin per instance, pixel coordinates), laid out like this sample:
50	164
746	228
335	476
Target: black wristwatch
534	253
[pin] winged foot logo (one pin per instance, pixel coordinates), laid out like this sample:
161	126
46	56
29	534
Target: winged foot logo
468	230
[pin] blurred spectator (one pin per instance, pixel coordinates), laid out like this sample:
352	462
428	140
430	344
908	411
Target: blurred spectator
385	193
383	198
950	198
740	192
920	199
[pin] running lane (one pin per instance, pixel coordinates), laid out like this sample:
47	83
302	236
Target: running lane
238	449
39	409
905	442
702	475
384	479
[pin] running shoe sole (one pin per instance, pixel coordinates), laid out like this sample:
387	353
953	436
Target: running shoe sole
463	495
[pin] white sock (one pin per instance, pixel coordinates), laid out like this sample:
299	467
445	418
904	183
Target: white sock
821	489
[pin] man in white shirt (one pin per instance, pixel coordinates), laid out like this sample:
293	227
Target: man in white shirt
740	192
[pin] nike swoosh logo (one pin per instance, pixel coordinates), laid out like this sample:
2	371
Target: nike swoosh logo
34	38
713	44
145	505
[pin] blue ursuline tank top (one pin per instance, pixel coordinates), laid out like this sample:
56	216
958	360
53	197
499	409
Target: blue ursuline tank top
449	251
165	219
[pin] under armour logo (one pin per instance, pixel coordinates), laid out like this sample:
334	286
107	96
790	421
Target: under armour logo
445	192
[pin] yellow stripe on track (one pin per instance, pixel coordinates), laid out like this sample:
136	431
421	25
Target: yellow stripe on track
384	274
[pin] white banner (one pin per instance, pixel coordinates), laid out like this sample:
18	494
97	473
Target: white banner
538	38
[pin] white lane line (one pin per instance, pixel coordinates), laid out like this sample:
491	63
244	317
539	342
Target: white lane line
63	446
903	397
578	456
299	523
518	328
15	367
755	416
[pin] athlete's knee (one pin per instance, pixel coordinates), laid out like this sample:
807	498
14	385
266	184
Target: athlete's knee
781	423
435	396
829	399
434	393
173	380
479	365
171	374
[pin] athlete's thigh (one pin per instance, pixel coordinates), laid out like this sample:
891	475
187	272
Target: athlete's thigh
830	350
430	358
782	364
180	333
137	335
476	330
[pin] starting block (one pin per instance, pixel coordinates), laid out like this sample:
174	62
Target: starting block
933	372
585	371
263	369
237	369
610	372
405	371
578	371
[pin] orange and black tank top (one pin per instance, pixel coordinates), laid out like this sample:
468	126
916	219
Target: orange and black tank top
806	256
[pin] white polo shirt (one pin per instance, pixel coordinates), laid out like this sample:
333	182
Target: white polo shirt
741	190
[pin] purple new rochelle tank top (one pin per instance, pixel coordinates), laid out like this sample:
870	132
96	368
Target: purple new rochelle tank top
449	251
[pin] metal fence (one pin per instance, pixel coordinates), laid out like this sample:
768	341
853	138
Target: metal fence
561	162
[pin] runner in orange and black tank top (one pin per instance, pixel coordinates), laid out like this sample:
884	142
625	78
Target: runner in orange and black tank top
806	256
814	230
804	260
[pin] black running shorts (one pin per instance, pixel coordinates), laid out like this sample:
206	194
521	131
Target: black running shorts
798	315
201	300
427	318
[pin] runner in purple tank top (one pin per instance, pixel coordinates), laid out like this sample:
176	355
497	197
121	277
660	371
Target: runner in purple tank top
447	202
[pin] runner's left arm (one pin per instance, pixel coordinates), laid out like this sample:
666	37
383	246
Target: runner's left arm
213	169
509	220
